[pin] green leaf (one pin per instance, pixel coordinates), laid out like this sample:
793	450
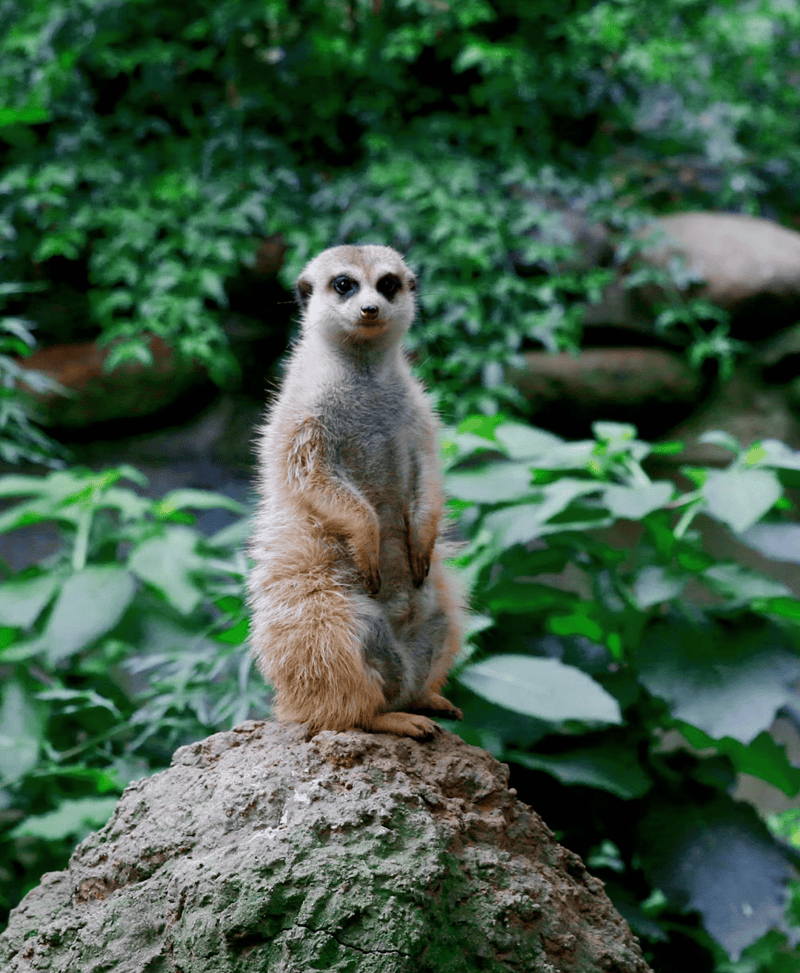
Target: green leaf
727	682
741	584
90	603
655	584
718	437
168	564
516	596
763	757
498	482
635	502
717	858
525	442
73	817
611	768
784	607
21	730
522	522
740	497
196	500
22	601
545	689
781	542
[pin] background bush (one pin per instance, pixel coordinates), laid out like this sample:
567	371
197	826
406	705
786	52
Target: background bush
147	148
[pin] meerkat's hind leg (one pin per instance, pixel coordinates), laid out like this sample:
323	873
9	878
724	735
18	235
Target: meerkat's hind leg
402	725
426	647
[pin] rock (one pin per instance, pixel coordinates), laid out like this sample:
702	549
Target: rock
624	376
567	392
746	264
94	395
353	852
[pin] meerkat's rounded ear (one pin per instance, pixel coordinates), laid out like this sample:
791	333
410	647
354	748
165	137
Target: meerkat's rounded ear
302	292
411	280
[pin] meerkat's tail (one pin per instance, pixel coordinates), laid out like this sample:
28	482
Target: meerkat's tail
308	647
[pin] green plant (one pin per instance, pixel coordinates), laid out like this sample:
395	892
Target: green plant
20	440
634	683
122	644
148	147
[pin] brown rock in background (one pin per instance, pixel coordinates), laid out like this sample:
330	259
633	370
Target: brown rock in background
95	395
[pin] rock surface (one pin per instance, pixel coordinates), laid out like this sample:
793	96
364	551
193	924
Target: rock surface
739	258
95	395
259	851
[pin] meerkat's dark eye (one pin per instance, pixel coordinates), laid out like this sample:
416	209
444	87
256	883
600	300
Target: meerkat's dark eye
389	285
344	285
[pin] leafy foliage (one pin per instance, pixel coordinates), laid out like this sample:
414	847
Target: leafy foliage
670	641
108	661
20	440
147	148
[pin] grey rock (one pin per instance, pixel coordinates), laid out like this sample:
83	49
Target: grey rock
260	851
736	259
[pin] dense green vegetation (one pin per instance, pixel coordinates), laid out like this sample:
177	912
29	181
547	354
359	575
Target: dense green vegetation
146	151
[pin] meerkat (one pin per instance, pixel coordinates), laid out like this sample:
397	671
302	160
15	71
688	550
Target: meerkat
354	614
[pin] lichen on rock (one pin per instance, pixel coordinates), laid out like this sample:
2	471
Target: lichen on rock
260	851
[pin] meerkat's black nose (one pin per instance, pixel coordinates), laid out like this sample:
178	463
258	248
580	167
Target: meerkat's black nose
370	311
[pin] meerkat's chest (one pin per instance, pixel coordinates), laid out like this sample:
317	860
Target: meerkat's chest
375	432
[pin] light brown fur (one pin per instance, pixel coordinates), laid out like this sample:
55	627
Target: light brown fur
354	613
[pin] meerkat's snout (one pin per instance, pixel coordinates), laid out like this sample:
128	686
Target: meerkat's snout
369	311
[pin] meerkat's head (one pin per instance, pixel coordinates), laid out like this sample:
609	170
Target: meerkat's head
357	295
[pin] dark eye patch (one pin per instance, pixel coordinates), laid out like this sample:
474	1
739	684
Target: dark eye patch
344	286
389	285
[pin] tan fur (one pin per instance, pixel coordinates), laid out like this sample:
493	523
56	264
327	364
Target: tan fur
354	613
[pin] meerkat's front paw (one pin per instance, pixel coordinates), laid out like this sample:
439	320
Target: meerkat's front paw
370	571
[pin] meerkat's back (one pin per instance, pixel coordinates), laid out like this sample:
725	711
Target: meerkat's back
354	614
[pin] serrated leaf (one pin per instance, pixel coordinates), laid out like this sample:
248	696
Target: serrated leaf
168	563
72	817
633	503
655	584
726	682
21	729
22	601
720	860
90	603
611	768
545	689
740	497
